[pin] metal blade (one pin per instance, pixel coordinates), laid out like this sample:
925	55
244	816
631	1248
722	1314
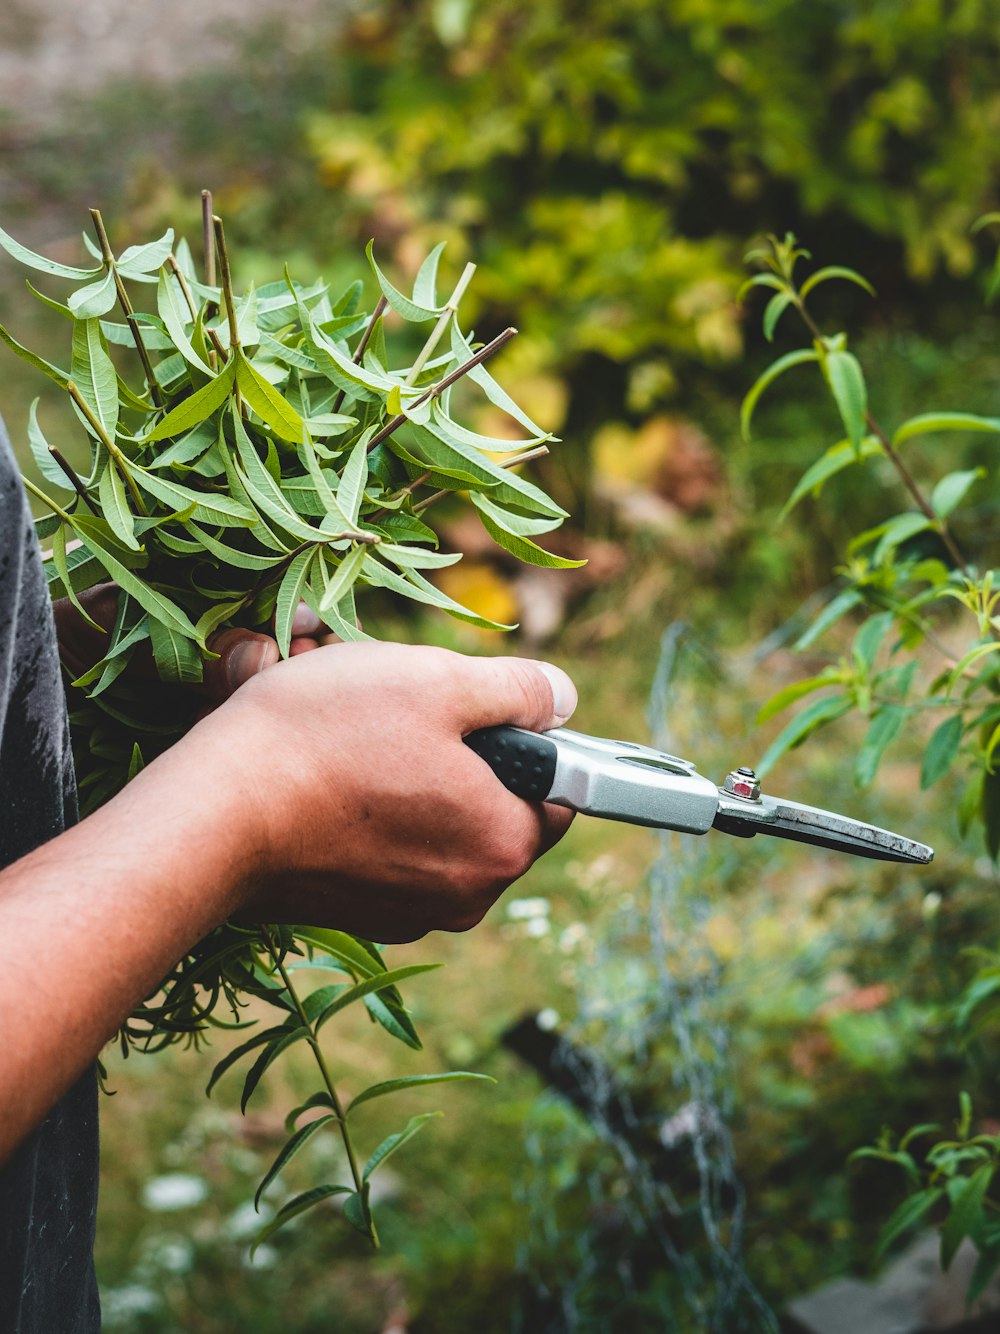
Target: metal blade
810	824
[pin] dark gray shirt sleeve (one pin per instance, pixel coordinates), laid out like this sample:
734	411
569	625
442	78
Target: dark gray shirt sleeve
48	1191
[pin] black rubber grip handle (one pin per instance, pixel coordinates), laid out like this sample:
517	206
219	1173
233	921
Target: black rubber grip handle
523	761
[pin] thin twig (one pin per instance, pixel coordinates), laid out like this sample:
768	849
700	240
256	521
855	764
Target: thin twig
338	1109
482	355
74	478
360	349
126	305
207	219
117	457
538	453
444	319
227	288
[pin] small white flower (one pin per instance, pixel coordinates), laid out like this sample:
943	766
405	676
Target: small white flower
178	1190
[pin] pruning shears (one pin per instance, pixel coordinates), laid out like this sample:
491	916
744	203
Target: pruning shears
622	780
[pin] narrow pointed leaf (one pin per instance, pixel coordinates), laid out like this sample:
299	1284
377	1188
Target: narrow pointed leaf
42	452
942	750
265	400
62	567
345	575
425	283
815	715
414	1081
965	1212
39	262
94	374
403	306
208	506
379	982
295	1207
95	299
177	658
289	594
297	1141
494	520
114	505
174	314
847	384
835	271
139	260
32	358
798	358
393	1142
198	407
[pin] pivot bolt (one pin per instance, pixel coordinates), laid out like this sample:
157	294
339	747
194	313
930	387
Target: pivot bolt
743	782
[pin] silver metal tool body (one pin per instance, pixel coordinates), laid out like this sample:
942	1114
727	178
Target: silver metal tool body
622	780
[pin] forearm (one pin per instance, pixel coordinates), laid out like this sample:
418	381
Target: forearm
94	919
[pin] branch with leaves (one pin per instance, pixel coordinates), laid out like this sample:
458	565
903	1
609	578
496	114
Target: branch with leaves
903	577
270	450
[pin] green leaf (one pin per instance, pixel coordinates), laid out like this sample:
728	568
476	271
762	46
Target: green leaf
94	374
831	613
265	400
139	260
62	568
415	587
289	595
834	271
39	363
295	1207
951	490
150	599
941	750
815	715
241	560
965	1211
503	532
838	457
358	1213
33	261
928	422
909	1213
198	407
114	505
773	312
42	452
95	299
339	945
270	1054
413	1081
897	530
177	658
320	1099
345	575
174	314
868	640
237	1053
208	506
393	1142
847	384
351	490
884	729
480	375
417	558
377	983
394	1019
797	690
297	1141
785	363
264	492
403	306
425	283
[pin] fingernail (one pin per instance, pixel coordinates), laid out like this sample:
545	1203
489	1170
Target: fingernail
563	693
246	660
305	621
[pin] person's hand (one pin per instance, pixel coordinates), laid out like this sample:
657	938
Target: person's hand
346	797
242	653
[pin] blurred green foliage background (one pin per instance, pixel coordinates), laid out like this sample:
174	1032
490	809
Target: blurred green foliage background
606	164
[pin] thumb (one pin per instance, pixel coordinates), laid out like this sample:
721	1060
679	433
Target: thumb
535	695
242	654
